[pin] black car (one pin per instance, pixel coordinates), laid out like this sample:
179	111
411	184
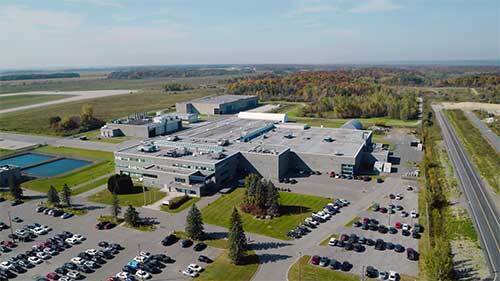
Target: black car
418	228
379	245
84	256
17	269
353	238
148	268
340	243
405	232
70	266
129	269
371	272
365	226
393	230
4	249
85	269
412	254
163	258
389	246
346	266
398	248
204	259
362	240
356	224
103	244
186	243
358	247
61	270
382	229
373	227
335	264
17	219
105	254
116	246
200	246
9	274
348	246
415	235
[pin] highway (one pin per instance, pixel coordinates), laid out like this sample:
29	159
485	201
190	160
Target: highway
481	207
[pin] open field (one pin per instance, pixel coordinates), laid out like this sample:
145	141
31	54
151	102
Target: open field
294	209
104	165
35	121
223	269
484	156
22	100
136	199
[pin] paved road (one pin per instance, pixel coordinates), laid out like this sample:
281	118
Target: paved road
488	134
68	142
76	96
481	206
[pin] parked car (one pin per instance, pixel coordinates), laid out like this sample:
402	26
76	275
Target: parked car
371	272
333	241
204	259
411	254
315	260
324	261
393	276
186	243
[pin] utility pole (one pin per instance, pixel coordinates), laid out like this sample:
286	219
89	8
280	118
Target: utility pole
362	273
10	224
300	256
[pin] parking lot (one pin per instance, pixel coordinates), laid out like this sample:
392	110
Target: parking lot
134	242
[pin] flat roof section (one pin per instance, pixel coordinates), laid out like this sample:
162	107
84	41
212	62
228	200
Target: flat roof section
222	99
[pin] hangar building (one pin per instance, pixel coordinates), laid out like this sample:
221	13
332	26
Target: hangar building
212	105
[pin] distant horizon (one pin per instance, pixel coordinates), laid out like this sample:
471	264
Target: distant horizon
459	62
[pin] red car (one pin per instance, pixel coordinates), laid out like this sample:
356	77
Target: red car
315	260
9	244
332	174
344	237
383	210
52	276
366	220
398	225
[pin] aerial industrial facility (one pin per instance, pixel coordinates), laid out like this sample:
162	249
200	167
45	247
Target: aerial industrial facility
204	157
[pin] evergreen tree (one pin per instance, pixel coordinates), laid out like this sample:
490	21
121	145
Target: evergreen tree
252	181
53	196
66	195
132	216
272	199
260	195
15	190
237	239
115	206
194	224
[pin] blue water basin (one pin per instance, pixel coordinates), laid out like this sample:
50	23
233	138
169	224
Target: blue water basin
57	167
25	160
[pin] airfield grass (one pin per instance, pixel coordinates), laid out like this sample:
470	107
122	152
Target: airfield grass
485	157
135	199
104	164
294	209
22	100
36	120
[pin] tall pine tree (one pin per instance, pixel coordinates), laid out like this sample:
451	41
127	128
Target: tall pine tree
15	190
115	206
194	224
66	195
131	216
237	238
272	199
53	196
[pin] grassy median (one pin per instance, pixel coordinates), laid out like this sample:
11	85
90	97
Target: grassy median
294	209
136	199
223	269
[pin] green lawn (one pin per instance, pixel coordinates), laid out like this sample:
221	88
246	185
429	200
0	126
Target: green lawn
36	120
351	222
191	201
22	100
303	270
104	165
91	185
216	243
135	199
223	269
294	208
485	157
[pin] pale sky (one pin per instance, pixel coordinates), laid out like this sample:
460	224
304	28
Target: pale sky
76	33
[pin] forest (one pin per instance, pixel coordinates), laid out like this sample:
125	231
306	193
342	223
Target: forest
33	76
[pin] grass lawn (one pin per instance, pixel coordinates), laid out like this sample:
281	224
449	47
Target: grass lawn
96	136
104	165
485	157
327	239
135	199
36	120
351	222
91	185
22	100
305	271
294	209
191	201
223	269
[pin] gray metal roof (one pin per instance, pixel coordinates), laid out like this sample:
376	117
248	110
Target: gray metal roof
353	124
222	99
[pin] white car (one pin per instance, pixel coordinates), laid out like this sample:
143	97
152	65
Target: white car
72	241
413	214
405	226
46	227
143	275
344	202
333	206
91	252
399	196
73	274
35	260
20	232
145	254
5	265
323	215
90	264
311	221
64	278
49	251
190	272
39	231
122	275
43	256
383	275
140	258
333	241
78	237
195	267
77	260
404	214
393	275
328	211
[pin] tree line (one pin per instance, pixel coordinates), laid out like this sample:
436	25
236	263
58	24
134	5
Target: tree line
34	76
81	123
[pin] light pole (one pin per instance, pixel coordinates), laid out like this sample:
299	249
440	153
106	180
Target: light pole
10	224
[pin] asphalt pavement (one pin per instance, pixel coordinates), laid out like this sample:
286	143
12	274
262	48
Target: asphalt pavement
482	208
